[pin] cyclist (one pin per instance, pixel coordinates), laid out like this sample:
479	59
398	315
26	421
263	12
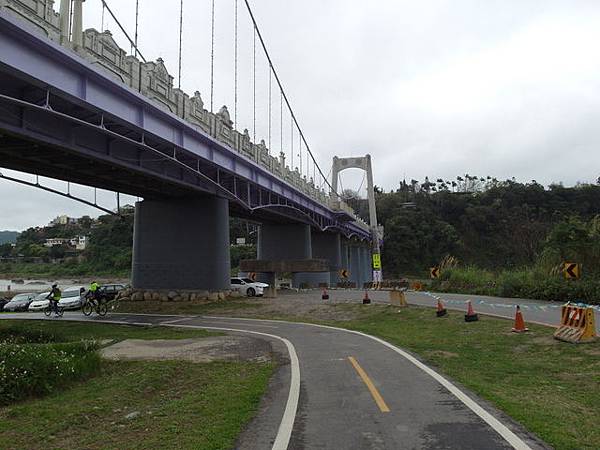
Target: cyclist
54	297
93	292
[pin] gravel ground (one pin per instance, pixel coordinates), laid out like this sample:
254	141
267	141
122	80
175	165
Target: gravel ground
228	348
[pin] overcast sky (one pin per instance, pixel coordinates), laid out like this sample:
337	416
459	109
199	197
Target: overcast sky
436	87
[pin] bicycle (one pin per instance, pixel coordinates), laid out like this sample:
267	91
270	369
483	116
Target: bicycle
91	304
48	310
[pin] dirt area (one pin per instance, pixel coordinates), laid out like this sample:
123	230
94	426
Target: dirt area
228	348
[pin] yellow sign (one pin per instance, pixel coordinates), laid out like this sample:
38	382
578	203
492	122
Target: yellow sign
344	273
434	272
376	261
572	270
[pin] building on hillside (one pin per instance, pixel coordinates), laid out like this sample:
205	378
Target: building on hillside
53	242
78	242
63	220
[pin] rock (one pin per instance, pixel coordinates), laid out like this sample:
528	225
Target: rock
172	295
193	297
213	296
164	298
125	299
221	295
147	296
202	295
137	296
155	296
177	298
132	415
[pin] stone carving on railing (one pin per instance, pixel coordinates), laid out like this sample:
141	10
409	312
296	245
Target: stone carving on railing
153	80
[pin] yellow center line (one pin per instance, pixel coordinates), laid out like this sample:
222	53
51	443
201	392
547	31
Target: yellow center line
372	389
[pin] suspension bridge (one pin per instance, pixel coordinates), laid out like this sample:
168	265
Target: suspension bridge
75	106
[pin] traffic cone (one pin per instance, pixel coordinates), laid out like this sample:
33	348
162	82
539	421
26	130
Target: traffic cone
519	322
441	311
470	316
366	299
325	295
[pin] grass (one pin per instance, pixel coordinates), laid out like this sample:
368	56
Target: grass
175	404
178	405
56	331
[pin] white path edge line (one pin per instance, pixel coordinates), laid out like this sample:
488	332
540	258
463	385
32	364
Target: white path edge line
284	433
498	426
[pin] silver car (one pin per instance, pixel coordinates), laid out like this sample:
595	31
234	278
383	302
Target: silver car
71	298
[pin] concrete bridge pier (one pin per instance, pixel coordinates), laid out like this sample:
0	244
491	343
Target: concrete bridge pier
328	246
344	262
355	264
288	248
367	271
181	244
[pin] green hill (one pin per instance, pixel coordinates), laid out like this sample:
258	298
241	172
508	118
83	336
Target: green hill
8	237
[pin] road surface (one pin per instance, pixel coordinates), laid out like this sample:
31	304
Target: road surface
346	390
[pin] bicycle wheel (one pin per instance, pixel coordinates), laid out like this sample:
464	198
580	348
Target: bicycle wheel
102	309
60	311
87	308
47	311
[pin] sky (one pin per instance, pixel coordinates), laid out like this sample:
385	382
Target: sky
435	88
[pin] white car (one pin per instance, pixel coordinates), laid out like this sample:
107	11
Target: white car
247	286
40	303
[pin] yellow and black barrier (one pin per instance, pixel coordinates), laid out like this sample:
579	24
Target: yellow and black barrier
577	324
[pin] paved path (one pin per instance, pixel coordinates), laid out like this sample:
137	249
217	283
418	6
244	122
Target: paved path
544	312
347	390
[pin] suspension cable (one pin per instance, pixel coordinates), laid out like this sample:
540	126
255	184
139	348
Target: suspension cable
269	110
122	29
212	55
102	20
180	40
303	138
137	14
235	64
281	123
254	89
291	144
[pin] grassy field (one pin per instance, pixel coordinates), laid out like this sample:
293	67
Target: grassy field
139	404
550	387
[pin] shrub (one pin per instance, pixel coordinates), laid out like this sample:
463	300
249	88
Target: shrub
28	370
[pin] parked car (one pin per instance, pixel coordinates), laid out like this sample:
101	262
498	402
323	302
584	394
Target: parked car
40	302
20	302
71	298
3	301
247	286
257	283
108	292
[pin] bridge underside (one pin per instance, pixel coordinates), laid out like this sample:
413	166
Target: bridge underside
44	134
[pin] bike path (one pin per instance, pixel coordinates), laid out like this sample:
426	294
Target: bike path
358	392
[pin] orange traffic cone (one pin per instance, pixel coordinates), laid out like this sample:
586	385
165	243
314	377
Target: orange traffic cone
470	316
519	322
441	311
366	299
325	295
